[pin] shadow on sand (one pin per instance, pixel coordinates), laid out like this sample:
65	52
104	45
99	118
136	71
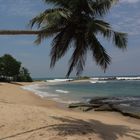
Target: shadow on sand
16	83
71	126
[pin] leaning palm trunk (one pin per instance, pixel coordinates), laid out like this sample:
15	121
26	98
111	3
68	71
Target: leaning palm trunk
19	32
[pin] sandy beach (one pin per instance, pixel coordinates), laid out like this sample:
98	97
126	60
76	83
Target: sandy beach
25	116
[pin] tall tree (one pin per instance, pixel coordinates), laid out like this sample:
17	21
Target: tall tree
11	70
24	75
76	24
1	68
9	67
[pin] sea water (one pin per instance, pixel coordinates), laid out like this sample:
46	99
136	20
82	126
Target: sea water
123	92
64	91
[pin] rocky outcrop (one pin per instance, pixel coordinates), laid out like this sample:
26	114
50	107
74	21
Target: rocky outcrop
125	105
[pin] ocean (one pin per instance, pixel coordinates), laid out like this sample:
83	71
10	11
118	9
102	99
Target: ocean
62	90
121	92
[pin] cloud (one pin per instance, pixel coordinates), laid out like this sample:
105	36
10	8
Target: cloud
131	25
129	1
126	18
26	8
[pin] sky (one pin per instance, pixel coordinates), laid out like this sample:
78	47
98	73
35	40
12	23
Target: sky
16	14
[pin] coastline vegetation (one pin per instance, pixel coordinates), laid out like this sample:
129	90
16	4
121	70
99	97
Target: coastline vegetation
12	70
82	78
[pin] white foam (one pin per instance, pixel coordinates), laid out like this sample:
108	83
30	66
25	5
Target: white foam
128	78
102	82
97	79
116	78
62	91
65	102
93	82
35	89
59	80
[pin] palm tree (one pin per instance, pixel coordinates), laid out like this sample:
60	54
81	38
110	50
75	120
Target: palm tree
76	24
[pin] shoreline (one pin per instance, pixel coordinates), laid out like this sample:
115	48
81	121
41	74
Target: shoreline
47	101
24	96
97	104
34	118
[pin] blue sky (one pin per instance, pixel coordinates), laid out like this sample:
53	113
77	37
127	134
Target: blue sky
15	14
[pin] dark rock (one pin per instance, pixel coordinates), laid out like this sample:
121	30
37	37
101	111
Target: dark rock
104	107
96	100
75	105
128	106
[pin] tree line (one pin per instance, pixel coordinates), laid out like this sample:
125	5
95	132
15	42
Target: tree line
12	70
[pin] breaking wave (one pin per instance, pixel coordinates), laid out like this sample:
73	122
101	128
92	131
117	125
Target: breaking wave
116	78
93	82
36	90
62	91
59	80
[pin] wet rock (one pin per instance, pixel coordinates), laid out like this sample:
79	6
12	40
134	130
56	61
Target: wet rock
128	106
75	105
104	107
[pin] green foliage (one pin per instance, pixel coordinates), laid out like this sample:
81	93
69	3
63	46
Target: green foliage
24	75
83	78
10	69
77	24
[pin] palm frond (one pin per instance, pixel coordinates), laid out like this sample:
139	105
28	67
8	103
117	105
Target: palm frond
104	28
99	53
47	32
48	16
120	40
62	3
101	7
60	44
99	26
78	57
